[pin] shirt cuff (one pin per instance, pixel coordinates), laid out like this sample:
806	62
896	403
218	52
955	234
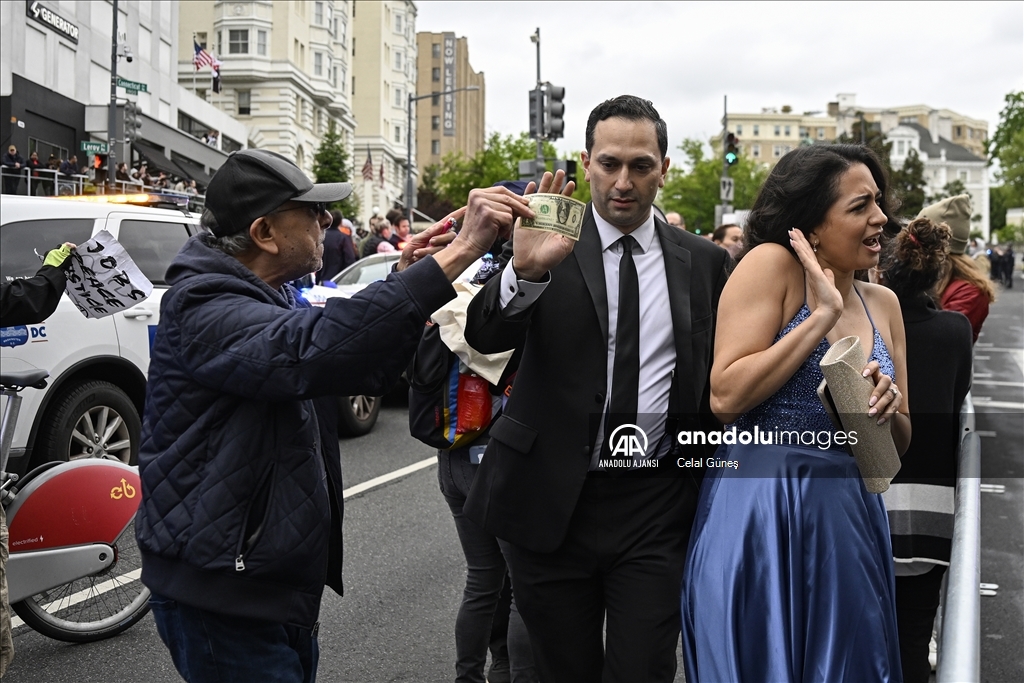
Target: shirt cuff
518	295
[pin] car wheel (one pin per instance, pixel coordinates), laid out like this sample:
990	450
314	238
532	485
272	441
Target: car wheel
90	420
357	414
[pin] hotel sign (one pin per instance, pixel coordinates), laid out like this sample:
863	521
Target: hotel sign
448	103
52	20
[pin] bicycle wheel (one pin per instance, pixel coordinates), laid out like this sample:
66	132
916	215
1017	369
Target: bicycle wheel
94	607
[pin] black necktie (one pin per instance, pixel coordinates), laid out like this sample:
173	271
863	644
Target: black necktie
626	370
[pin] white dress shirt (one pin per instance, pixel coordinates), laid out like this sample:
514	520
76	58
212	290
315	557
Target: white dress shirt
657	345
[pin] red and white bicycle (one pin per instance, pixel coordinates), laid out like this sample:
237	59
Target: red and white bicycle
74	566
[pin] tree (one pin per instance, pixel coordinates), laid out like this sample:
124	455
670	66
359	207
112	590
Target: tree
331	165
908	183
498	160
693	189
950	189
873	138
1007	145
428	200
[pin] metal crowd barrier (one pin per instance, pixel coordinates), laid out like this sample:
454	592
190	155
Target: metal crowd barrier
49	183
960	637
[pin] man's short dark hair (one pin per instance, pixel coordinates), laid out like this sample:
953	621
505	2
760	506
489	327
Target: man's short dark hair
632	108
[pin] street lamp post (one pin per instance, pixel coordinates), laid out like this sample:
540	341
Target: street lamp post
409	189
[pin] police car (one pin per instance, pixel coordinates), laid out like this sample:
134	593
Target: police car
92	404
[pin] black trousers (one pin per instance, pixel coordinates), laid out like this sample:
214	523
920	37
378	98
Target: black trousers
917	600
620	569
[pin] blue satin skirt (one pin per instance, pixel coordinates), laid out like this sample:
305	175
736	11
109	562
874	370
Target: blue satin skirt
789	573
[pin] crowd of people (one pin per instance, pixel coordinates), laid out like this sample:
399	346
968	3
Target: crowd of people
780	565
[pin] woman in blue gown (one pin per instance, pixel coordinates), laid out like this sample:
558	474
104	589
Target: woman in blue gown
789	572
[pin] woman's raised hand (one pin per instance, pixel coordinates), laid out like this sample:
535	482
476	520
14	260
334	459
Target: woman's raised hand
821	284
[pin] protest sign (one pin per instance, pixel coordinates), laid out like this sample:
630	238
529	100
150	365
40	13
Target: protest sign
103	279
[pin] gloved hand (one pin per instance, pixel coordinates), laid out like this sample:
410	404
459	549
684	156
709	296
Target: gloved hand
56	257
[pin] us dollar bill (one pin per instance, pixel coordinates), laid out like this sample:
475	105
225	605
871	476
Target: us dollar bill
556	213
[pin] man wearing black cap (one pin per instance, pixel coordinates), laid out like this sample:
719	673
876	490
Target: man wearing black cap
240	522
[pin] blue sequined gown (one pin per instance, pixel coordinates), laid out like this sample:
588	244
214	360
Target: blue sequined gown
789	573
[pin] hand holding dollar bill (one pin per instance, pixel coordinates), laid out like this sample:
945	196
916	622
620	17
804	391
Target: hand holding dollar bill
556	213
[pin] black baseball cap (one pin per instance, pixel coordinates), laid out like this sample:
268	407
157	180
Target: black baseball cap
254	182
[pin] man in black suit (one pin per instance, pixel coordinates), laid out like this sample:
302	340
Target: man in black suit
589	547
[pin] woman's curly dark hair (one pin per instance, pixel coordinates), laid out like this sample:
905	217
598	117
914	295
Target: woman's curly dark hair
913	261
804	185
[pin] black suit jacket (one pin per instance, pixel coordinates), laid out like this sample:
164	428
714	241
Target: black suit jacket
537	460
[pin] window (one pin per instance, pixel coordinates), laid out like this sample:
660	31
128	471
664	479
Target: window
435	100
398	23
398	60
227	145
958	132
20	242
739	129
153	245
261	43
342	30
787	131
318	64
435	147
755	151
821	133
963	175
780	150
778	130
435	74
435	50
244	102
318	13
353	86
803	133
220	47
435	123
189	125
201	39
757	130
238	42
901	147
399	97
398	134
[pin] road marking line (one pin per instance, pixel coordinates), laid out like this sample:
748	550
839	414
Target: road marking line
994	383
83	595
983	357
385	478
979	375
983	434
983	345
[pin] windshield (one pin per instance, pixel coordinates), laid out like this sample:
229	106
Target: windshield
363	273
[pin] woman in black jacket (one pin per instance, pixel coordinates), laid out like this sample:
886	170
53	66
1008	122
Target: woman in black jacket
920	500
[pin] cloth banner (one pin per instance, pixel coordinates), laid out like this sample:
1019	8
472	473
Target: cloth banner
103	279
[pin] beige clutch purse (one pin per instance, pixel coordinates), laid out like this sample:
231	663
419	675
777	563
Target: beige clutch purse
845	393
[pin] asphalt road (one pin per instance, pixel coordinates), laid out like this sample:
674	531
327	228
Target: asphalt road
404	570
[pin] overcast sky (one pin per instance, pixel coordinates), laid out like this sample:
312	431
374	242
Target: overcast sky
685	56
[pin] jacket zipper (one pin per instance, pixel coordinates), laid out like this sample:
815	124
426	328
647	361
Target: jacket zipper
245	543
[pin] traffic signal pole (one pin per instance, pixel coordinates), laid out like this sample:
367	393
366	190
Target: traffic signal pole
112	113
539	162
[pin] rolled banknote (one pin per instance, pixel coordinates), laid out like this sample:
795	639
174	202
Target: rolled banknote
556	213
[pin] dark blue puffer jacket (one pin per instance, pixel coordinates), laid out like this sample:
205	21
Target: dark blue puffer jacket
240	465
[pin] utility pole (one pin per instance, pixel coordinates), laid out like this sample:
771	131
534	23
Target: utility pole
112	113
726	194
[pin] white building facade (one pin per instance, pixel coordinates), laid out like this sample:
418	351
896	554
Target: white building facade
384	59
284	69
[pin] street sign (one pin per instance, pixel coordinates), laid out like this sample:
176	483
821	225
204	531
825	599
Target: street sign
728	186
94	147
133	87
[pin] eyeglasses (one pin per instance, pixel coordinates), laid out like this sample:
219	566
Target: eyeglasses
318	209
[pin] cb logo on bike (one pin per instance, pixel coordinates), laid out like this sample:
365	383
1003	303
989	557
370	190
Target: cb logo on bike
125	490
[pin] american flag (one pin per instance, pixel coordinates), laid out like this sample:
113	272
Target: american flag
368	166
202	57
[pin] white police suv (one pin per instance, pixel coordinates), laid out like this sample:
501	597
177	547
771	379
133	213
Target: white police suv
94	397
92	404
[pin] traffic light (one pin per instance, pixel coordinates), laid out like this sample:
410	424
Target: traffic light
554	125
536	109
732	152
132	122
567	165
